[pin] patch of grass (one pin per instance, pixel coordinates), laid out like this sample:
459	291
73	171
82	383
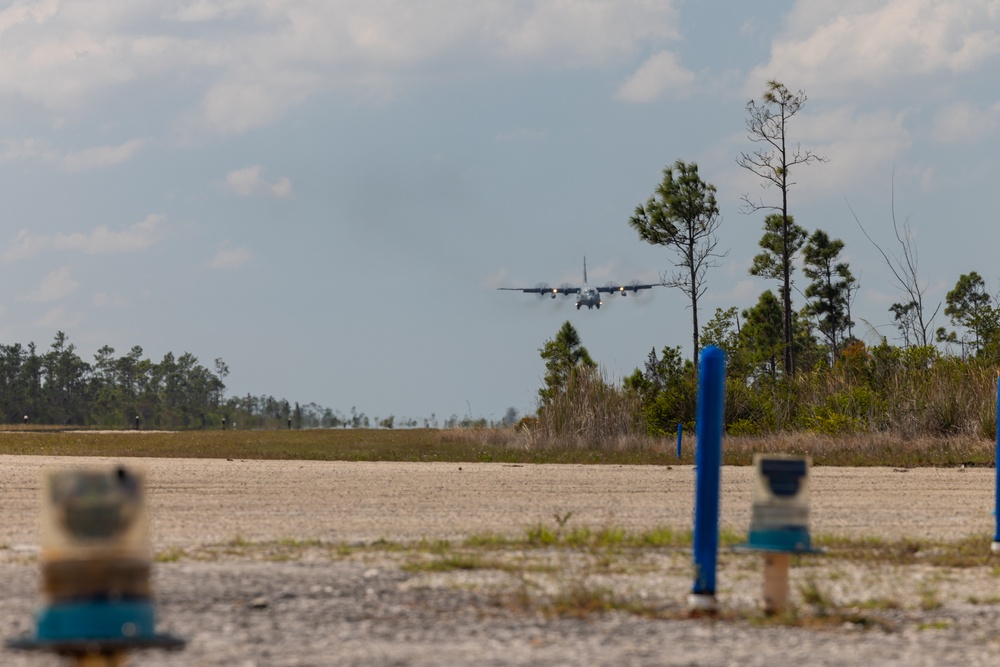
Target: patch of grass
432	546
464	560
813	595
929	600
991	600
238	541
541	535
827	618
663	537
294	543
488	541
969	552
448	564
934	625
169	555
881	604
580	601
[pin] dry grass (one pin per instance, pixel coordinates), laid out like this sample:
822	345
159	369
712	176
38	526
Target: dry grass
508	445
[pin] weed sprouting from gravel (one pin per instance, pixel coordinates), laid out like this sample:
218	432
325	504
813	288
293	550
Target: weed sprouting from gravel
929	599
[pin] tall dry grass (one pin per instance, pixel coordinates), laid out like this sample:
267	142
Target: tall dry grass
876	449
590	411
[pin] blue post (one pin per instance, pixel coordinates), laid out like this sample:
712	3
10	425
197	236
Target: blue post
708	461
680	432
995	547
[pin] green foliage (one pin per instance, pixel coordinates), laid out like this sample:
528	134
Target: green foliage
781	241
684	216
563	355
971	308
667	389
830	289
749	409
761	336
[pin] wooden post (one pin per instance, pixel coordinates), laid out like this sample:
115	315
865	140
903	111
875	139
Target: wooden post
775	594
101	660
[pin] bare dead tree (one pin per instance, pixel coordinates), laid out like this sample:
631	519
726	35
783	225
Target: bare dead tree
911	313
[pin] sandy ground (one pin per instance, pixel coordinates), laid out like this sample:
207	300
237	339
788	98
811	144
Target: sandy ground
198	501
314	611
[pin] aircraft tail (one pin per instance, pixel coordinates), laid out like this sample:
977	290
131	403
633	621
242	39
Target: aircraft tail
585	271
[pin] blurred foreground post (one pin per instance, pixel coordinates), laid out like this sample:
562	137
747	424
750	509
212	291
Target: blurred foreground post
779	522
96	559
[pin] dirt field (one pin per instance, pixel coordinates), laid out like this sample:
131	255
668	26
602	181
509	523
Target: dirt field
241	598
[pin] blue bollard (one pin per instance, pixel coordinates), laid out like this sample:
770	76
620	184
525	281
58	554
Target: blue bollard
995	547
680	432
708	462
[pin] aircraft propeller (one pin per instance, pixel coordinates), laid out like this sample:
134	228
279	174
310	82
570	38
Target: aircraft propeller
617	289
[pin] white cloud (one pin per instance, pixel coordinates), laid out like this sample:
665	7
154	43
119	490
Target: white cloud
661	73
836	45
58	285
858	145
248	181
58	319
283	188
244	182
101	156
573	33
94	157
230	258
963	122
100	241
248	63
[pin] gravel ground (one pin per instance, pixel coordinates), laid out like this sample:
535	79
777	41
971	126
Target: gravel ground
279	563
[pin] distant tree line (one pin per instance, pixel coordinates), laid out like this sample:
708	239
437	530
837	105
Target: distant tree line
57	387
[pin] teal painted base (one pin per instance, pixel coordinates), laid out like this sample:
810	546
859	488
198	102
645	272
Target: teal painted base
793	541
98	624
96	620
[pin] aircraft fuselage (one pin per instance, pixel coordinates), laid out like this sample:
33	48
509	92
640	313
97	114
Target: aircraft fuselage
588	297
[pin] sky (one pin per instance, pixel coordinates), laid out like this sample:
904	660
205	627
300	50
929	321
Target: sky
327	194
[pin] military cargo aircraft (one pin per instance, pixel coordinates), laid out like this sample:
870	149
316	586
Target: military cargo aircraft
586	295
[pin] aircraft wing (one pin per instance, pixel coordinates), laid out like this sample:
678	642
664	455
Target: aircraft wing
543	290
623	289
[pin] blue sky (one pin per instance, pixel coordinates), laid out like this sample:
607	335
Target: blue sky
327	194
